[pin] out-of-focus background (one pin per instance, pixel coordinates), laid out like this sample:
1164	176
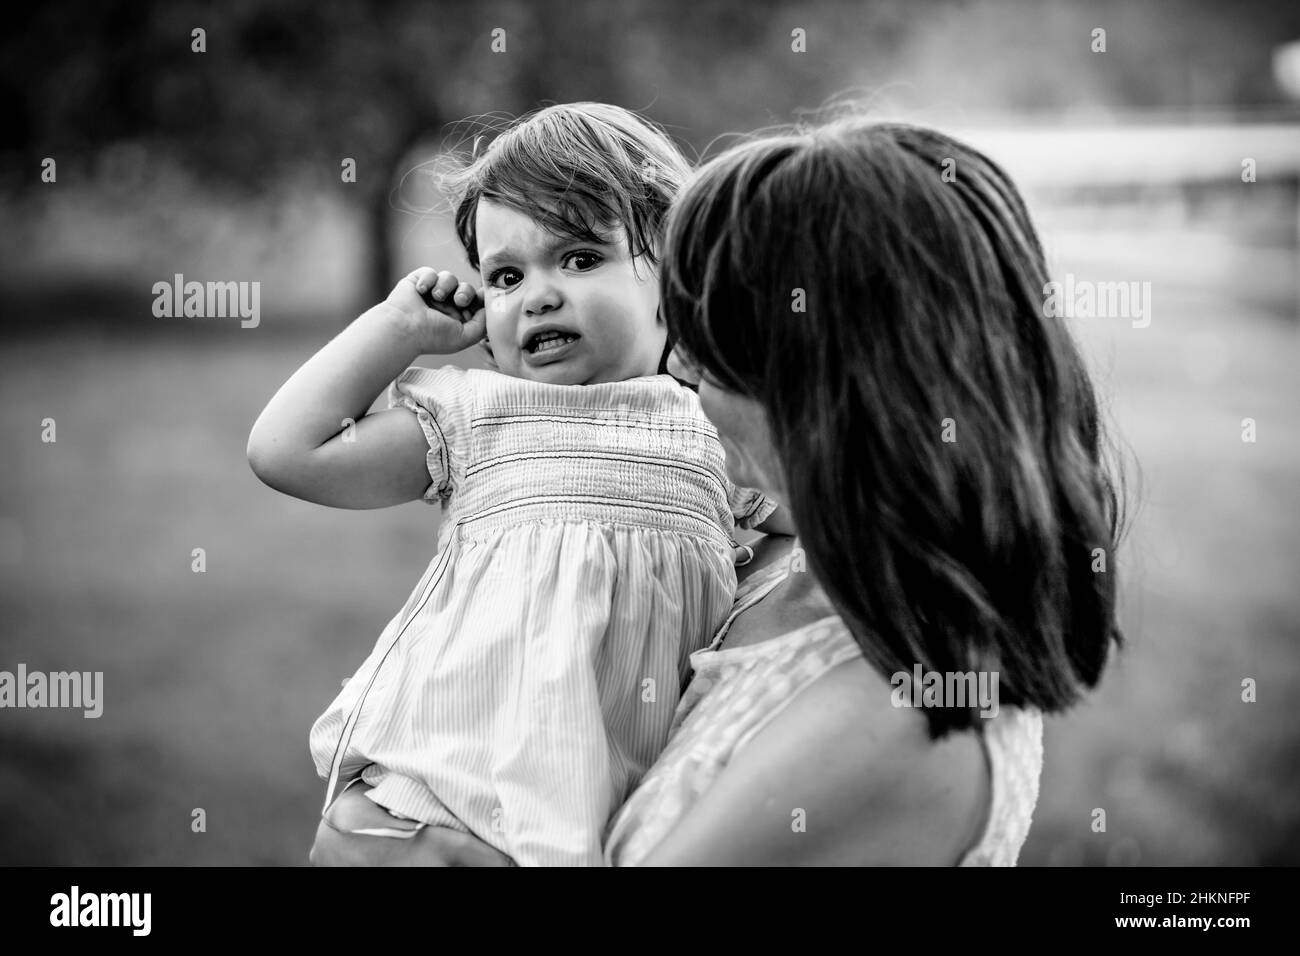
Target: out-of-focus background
1165	149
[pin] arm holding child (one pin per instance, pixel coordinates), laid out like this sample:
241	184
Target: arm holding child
298	444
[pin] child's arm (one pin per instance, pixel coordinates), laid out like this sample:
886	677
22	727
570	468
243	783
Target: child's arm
297	445
756	511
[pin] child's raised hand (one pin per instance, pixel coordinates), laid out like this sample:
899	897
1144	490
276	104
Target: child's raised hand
447	314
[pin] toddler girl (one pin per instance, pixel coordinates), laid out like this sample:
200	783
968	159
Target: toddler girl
585	551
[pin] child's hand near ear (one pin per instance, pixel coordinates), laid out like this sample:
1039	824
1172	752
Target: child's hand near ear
445	314
317	440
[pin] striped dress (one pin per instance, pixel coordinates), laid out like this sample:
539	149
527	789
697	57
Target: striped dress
532	676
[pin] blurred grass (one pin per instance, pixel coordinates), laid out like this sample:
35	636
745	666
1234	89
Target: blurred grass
212	680
1187	772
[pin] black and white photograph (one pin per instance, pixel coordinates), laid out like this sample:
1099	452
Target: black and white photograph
651	434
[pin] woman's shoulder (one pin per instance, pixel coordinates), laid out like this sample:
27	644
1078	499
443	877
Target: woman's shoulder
900	797
968	797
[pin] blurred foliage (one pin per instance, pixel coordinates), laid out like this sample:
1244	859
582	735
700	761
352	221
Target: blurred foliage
295	82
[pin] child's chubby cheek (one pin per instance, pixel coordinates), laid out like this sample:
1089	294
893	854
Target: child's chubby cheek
624	326
501	332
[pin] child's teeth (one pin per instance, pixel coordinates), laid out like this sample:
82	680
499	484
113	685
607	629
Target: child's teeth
553	342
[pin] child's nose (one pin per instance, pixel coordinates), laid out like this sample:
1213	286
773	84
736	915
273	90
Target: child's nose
541	298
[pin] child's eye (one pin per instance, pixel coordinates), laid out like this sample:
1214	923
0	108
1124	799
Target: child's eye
504	275
583	260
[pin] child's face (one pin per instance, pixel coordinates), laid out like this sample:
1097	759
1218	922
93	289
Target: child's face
536	282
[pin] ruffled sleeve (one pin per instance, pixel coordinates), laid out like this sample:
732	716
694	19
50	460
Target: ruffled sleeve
442	399
748	506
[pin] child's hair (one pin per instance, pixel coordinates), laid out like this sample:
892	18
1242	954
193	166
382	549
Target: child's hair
578	169
868	305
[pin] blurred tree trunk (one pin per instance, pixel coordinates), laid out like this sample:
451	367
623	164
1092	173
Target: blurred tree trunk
390	165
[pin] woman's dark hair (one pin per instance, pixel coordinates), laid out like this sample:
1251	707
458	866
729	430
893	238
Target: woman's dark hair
878	289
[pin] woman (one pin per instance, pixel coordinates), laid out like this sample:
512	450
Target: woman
862	306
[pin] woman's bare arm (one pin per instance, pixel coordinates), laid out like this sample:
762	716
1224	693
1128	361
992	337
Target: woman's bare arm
837	778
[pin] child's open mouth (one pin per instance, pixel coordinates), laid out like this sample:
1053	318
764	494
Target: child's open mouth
548	345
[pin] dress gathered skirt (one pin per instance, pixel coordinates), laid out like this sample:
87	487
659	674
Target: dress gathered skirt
531	678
